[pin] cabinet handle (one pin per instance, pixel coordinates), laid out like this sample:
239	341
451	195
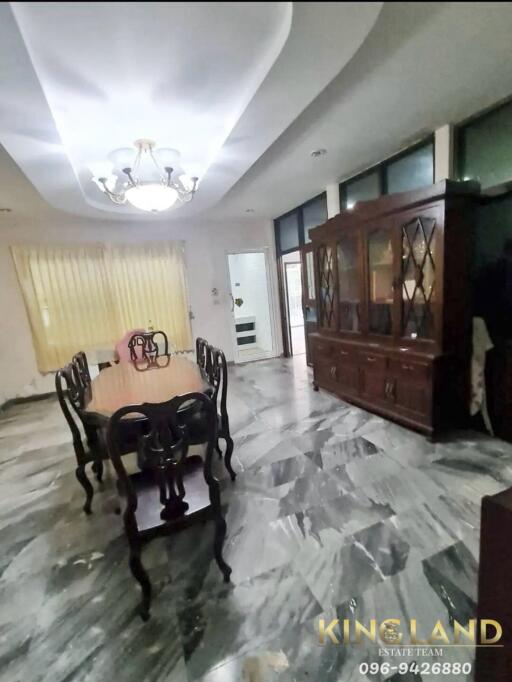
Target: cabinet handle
408	368
370	358
333	372
343	352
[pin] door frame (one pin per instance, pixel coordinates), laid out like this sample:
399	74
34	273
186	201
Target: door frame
271	305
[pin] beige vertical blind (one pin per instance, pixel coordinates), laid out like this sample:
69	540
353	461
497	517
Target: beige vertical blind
85	297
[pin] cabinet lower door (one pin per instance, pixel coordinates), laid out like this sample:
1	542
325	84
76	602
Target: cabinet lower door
413	398
373	384
348	377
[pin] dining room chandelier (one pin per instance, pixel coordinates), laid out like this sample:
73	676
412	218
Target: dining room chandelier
149	186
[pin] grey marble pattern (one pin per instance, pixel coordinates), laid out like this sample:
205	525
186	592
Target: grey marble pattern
335	512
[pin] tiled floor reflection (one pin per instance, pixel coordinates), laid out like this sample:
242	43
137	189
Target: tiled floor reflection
335	513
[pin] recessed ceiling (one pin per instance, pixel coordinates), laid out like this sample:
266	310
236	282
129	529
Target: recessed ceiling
83	79
245	91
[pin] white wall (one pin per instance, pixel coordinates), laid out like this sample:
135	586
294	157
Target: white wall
206	245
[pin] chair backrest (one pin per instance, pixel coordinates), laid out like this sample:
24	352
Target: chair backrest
163	446
218	378
143	345
203	355
122	349
70	394
79	361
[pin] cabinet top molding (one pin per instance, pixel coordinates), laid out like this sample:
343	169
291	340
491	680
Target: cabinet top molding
392	203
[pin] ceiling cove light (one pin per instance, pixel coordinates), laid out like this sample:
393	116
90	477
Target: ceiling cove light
149	186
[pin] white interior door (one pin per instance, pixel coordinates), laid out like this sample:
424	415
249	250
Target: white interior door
251	306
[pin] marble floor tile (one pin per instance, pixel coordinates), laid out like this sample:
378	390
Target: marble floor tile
335	511
233	620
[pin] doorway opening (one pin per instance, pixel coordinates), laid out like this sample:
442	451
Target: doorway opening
293	296
251	306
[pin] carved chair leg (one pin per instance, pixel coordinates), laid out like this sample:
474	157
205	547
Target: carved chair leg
97	467
86	485
140	575
220	534
227	457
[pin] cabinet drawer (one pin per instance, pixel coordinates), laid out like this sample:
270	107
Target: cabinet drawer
323	349
345	353
373	360
410	370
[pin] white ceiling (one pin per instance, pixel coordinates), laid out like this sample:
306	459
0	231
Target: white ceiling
245	91
81	80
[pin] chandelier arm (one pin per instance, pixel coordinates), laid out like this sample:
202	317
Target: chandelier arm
157	165
128	172
136	161
114	198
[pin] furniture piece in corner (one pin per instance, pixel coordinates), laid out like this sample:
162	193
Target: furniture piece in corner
495	567
393	308
156	498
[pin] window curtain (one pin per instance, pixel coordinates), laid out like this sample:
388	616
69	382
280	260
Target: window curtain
148	283
86	297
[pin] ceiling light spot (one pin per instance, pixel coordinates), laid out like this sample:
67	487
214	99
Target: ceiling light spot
318	152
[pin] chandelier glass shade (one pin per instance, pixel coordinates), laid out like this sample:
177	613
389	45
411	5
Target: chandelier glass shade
156	192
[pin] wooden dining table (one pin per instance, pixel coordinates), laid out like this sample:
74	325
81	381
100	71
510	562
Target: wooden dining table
142	381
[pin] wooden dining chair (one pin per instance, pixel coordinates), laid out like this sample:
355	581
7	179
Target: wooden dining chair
218	377
156	499
122	348
202	353
142	345
70	394
79	360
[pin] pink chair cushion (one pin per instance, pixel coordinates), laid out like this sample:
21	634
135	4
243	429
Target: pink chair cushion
122	350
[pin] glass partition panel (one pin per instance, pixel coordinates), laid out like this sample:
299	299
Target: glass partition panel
380	271
412	171
314	213
485	148
367	187
418	278
348	284
288	228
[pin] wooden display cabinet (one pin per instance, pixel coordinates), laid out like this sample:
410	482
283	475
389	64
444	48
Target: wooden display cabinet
393	305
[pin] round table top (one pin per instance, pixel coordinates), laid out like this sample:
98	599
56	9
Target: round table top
132	383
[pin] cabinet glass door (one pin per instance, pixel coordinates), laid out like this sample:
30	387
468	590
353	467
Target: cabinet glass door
380	285
418	278
348	284
326	279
